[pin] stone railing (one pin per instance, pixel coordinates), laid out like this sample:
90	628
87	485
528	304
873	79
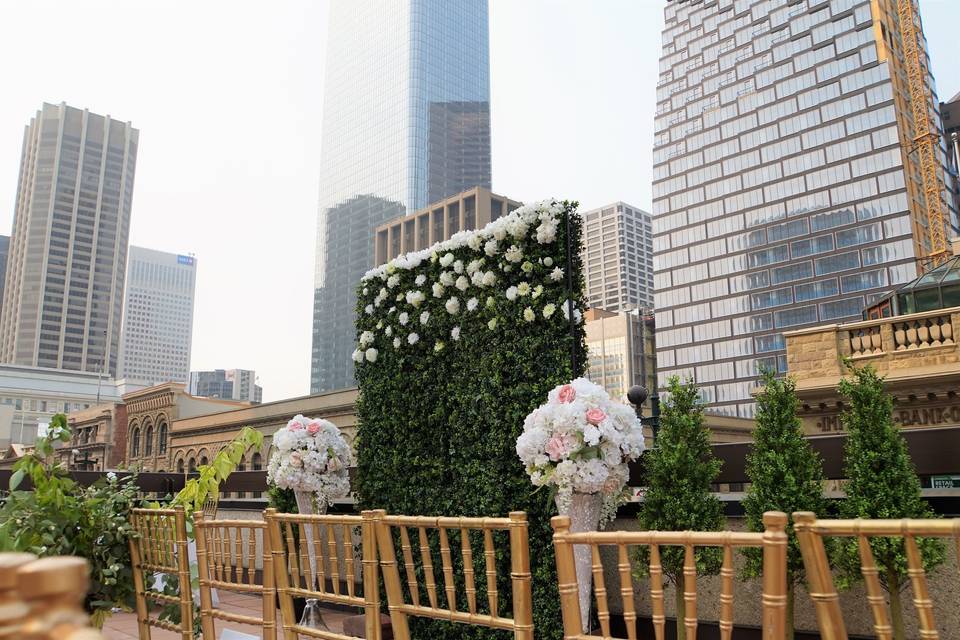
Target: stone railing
889	344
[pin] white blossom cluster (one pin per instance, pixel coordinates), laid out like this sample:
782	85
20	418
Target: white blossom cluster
465	275
310	454
581	441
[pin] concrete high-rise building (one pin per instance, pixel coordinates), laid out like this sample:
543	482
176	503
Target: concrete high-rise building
158	316
68	251
620	349
4	251
618	257
786	193
406	122
226	384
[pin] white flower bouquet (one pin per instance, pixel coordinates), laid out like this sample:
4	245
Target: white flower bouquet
311	455
581	441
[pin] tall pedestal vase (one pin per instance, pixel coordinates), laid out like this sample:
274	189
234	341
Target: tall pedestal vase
584	514
309	503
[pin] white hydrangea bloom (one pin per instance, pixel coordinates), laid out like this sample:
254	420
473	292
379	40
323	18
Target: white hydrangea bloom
446	279
438	290
413	338
369	309
462	283
472	304
357	355
415	298
393	281
489	279
388	331
513	254
366	338
491	248
474	266
458	266
396	342
371	354
455	333
403	318
453	306
420	280
446	260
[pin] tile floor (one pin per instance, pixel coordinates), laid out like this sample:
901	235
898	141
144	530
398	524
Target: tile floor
123	626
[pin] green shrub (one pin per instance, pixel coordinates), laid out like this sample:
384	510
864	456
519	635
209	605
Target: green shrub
438	424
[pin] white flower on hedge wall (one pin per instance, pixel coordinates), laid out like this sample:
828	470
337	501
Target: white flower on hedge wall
366	338
380	324
420	280
546	232
425	317
438	290
477	278
514	254
388	331
549	310
462	283
369	309
371	354
357	355
396	342
548	261
518	227
446	279
413	338
506	268
577	316
491	302
472	305
404	318
529	315
526	267
511	293
366	291
537	291
415	298
492	324
523	288
499	233
455	333
446	260
475	241
438	346
453	306
489	279
392	310
458	266
474	266
393	281
491	248
557	274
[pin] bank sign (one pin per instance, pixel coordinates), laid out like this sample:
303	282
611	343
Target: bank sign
922	417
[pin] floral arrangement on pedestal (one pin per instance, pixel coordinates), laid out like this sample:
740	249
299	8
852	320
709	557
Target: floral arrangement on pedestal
581	441
310	456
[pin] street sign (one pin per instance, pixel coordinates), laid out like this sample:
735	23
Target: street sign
945	482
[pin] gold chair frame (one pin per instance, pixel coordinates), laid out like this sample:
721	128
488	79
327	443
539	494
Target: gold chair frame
291	559
810	533
221	564
773	541
516	525
160	546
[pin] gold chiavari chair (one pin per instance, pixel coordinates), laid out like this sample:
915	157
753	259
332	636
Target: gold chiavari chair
227	553
13	610
54	589
810	534
159	547
329	574
521	624
773	541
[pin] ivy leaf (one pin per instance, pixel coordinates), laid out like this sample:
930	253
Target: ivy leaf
16	479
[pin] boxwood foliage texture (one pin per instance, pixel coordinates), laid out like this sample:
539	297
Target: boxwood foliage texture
438	424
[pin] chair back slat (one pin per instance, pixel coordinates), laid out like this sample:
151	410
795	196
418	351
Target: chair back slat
811	532
298	575
437	530
773	542
223	565
158	547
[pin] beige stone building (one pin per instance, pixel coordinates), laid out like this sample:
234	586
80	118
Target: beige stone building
620	349
470	209
151	413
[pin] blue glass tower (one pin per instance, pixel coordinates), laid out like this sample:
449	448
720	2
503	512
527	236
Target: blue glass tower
406	122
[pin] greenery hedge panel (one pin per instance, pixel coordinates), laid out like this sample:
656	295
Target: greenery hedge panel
437	428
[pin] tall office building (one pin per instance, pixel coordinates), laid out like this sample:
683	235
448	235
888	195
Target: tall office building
618	257
68	251
406	122
4	251
785	190
157	316
227	384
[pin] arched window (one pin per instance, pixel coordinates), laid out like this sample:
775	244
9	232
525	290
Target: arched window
192	466
180	465
148	441
135	443
162	437
203	460
257	462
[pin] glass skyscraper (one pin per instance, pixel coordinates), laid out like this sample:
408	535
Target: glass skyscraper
406	121
785	191
63	296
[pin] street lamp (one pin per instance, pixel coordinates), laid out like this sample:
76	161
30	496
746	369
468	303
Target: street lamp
637	395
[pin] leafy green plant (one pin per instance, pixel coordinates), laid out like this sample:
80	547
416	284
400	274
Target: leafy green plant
785	474
881	483
439	419
679	472
60	517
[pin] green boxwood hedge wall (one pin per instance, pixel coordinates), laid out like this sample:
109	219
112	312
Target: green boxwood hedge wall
437	428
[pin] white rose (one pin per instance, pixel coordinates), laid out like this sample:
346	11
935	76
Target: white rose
526	267
413	338
446	260
511	293
404	318
458	266
446	279
490	248
438	290
489	279
462	283
453	306
371	354
357	355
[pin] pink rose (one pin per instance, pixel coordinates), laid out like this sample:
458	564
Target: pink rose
558	446
595	416
295	425
567	394
296	459
313	428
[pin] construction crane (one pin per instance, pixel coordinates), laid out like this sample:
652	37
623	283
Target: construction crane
926	137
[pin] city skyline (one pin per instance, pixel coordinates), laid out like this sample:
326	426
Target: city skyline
253	217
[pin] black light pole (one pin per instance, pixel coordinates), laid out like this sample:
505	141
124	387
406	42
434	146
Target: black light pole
637	395
574	359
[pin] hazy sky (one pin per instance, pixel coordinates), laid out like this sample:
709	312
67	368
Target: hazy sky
228	95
